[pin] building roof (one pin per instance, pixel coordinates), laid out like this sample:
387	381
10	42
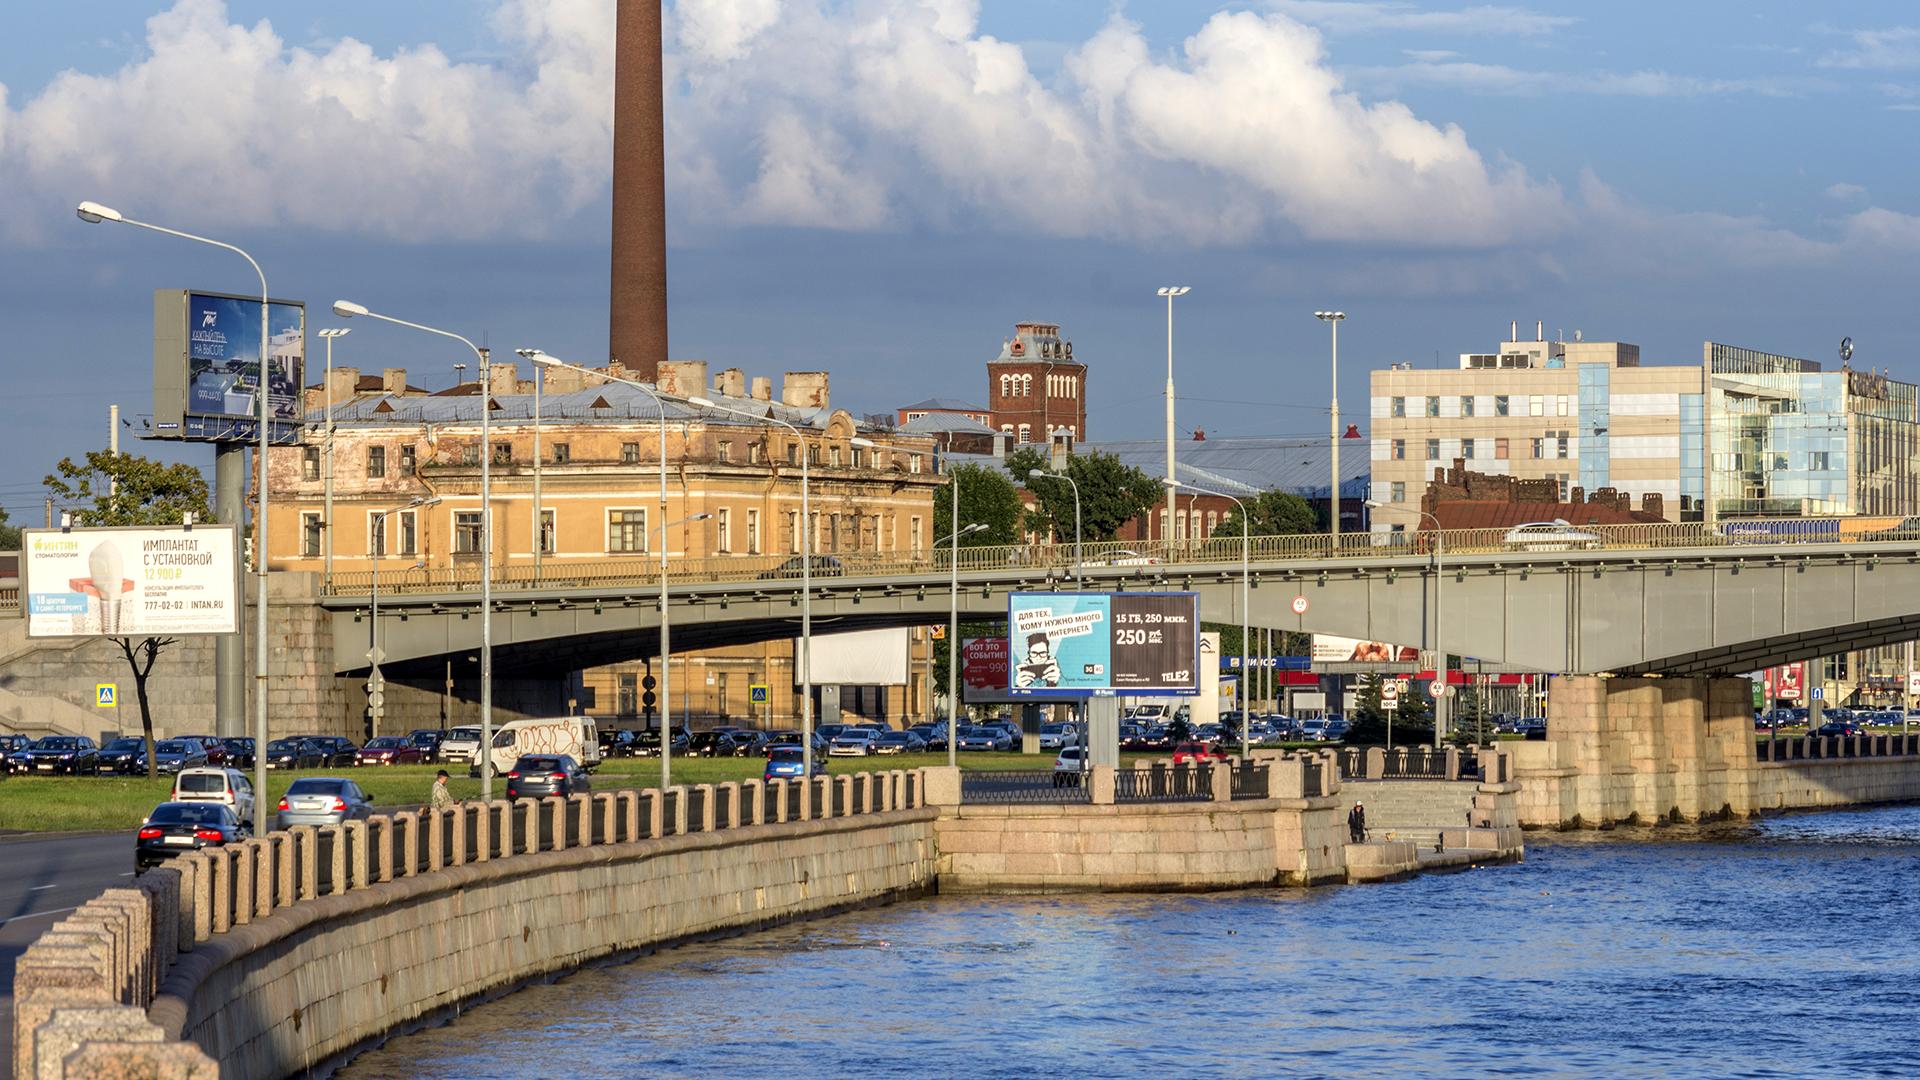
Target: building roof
1250	465
1498	514
935	404
937	423
368	384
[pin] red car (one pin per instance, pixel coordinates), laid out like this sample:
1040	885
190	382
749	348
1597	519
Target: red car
1196	751
389	750
216	750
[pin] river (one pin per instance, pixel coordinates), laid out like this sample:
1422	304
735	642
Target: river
1784	948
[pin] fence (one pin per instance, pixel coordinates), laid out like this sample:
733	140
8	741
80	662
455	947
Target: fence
1023	786
1249	780
1163	781
1484	764
1819	747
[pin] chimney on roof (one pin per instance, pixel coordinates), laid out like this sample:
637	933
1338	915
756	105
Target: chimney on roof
762	389
805	390
502	379
393	380
637	308
682	378
731	382
343	383
1513	330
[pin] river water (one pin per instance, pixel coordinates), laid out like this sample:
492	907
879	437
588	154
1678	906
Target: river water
1785	948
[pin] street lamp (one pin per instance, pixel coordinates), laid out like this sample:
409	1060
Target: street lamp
375	684
666	662
1170	291
1042	474
328	335
1440	657
953	627
1246	578
1333	319
93	213
347	309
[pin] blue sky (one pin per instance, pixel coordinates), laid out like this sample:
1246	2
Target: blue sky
883	187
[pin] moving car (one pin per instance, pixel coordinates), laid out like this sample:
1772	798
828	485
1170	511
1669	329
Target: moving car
1556	535
389	750
121	757
538	775
322	800
1069	769
573	736
1841	727
785	761
70	754
216	784
823	566
295	754
172	755
174	827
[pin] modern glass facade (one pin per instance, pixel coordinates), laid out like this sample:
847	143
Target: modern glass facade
1595	426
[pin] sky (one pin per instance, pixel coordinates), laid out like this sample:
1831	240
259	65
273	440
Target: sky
882	188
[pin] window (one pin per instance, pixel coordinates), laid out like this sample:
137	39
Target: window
409	460
836	457
1399	449
310	463
1538	447
503	453
630	453
913	463
629	693
915	526
562	453
1399	407
725	450
723	530
408	534
1500	405
1818	461
626	530
1433	449
470	454
1561	440
793	453
833	532
793	531
310	532
376	462
753	453
1213	521
466	532
859	458
1536	405
1005	382
1500	449
1026	433
1466	404
1433	406
1166	527
1399	488
813	455
548	534
1560	405
1466	449
753	532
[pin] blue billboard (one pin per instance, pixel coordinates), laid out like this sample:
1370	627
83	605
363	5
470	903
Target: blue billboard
223	357
1061	644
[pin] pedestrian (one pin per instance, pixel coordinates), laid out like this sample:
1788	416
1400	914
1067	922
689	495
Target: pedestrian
441	796
1357	824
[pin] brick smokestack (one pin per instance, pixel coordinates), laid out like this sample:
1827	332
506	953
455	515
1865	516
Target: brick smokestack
637	313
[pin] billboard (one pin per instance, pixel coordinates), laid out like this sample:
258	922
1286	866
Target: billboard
206	365
860	658
1328	649
1786	683
1088	643
130	582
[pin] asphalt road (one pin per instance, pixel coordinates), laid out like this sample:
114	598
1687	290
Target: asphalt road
42	877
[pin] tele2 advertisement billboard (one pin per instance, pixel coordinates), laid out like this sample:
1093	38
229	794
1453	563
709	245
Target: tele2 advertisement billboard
1088	643
130	582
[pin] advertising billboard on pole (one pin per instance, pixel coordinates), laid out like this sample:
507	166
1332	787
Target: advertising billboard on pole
206	365
130	582
1091	643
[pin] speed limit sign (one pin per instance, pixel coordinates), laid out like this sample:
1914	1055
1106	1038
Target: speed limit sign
1299	605
1437	689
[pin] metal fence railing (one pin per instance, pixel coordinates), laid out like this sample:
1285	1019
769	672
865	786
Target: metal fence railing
1249	780
1022	786
1162	782
1817	747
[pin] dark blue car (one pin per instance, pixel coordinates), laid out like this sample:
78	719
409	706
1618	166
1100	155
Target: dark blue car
787	762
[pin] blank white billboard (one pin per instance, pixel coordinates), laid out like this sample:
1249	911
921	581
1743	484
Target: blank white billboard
862	658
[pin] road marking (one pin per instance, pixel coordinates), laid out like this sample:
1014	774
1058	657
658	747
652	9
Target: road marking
127	874
42	888
35	915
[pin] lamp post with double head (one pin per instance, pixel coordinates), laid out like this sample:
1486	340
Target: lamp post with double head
93	213
347	309
953	625
1042	474
1441	710
1246	580
1170	292
1333	319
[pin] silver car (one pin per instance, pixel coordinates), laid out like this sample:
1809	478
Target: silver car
322	800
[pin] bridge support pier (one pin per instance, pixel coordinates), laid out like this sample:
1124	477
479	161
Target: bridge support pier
1639	750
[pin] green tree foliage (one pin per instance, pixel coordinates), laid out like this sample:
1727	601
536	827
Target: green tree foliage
9	535
127	489
1273	513
1111	494
987	497
1412	722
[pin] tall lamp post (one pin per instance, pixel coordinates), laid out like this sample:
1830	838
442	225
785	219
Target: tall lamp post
1042	474
93	213
347	309
1333	319
328	335
1440	700
953	627
666	648
1169	292
1246	579
376	685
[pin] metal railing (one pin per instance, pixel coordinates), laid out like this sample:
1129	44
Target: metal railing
640	568
1164	782
1022	786
1249	780
1829	747
1415	763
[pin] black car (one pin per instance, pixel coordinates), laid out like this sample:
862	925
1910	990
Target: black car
647	743
1840	727
121	757
714	744
70	754
427	741
536	775
823	566
185	826
340	752
172	755
13	752
239	752
295	754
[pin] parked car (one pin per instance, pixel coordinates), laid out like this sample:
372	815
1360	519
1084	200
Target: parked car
1556	535
716	744
214	749
1841	727
295	754
647	743
896	742
122	757
389	750
853	742
934	735
13	752
1313	730
172	755
620	742
239	752
427	741
174	827
322	800
1531	727
1054	736
823	566
1197	751
1070	767
786	761
539	775
217	784
461	745
340	751
70	754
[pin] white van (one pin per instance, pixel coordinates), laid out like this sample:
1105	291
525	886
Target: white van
213	784
571	735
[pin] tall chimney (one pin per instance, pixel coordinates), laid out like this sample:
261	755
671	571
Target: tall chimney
637	308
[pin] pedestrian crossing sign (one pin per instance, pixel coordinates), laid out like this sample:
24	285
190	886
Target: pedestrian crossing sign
105	695
757	694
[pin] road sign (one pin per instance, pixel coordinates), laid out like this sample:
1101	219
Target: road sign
1299	605
757	693
1390	694
106	695
375	655
1819	692
1437	689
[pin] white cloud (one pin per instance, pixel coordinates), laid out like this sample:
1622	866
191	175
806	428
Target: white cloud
722	29
1896	47
1878	227
1845	192
1371	16
1501	79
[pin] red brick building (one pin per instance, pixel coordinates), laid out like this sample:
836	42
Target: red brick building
1036	387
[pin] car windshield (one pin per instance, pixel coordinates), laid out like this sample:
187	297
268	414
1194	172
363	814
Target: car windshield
237	744
317	786
283	746
187	814
538	764
125	744
894	736
54	742
171	747
464	734
385	742
784	753
203	783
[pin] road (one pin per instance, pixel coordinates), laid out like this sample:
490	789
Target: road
48	875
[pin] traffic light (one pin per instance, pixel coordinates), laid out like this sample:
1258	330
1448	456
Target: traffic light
376	694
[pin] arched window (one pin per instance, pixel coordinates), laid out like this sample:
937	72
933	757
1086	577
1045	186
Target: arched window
1005	381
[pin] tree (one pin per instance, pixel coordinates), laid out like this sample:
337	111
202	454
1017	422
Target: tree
1273	513
1412	721
127	489
9	535
1111	494
987	497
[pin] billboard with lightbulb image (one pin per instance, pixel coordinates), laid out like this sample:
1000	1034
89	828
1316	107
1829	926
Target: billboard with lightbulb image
137	581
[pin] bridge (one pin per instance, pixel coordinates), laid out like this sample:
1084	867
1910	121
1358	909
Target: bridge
1657	599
